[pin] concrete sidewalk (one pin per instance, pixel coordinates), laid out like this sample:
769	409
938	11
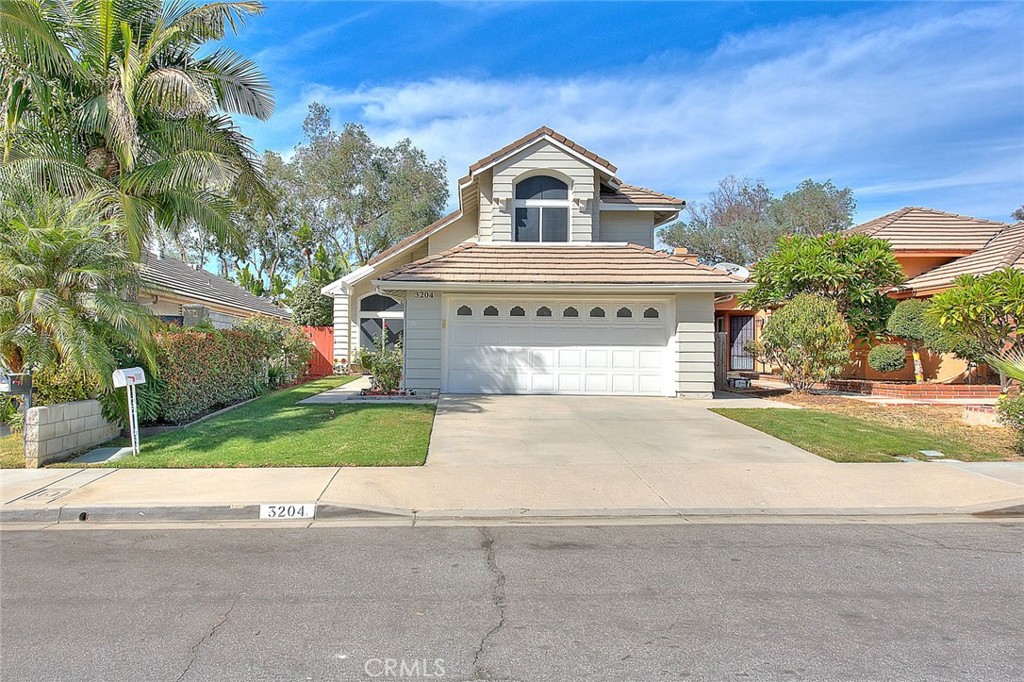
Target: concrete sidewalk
626	490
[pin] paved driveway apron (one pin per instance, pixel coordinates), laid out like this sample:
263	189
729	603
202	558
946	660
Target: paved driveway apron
596	430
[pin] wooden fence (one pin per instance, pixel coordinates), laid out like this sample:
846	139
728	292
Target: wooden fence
322	362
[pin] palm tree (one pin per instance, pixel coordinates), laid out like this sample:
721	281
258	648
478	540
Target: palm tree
66	289
119	99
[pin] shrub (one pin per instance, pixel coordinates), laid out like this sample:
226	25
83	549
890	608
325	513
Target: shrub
385	364
1011	415
908	320
808	339
61	384
148	396
286	348
205	370
887	357
310	307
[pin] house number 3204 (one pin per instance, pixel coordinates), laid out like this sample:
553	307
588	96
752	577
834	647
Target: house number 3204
424	294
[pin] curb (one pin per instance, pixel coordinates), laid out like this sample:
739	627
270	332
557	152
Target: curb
329	512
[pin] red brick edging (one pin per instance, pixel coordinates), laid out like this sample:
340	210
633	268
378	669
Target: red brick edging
895	390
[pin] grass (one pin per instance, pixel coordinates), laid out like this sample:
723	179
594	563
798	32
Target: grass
845	438
275	431
12	452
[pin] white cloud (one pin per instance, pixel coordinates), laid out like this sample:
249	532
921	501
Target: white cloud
872	102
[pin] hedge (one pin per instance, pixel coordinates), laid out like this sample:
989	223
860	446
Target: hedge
205	370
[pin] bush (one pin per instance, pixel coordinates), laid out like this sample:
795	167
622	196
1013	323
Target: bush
310	307
60	384
286	348
148	396
808	339
206	370
908	320
887	357
1011	415
385	364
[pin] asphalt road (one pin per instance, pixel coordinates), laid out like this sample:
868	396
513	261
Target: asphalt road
681	602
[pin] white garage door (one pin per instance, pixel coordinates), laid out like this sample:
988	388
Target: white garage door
603	347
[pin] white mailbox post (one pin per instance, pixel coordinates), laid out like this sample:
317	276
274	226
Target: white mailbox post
130	378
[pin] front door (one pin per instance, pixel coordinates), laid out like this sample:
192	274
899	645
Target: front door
741	330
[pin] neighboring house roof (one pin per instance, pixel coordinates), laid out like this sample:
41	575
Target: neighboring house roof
173	275
916	228
623	264
1005	250
632	195
530	138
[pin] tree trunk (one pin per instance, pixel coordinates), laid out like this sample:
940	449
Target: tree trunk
918	368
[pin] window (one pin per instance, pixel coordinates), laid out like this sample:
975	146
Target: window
490	311
570	312
380	315
517	311
651	314
464	311
543	311
541	210
597	312
624	312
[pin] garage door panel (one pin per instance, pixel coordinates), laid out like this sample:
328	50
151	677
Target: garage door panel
511	354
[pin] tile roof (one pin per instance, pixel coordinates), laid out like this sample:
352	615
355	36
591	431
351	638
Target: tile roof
562	264
1005	250
529	138
174	275
415	237
915	228
637	196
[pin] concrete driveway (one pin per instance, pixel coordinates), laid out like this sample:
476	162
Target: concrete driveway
556	431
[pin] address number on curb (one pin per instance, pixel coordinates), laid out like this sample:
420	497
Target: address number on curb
287	511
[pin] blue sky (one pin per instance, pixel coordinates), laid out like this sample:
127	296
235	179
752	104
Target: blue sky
907	103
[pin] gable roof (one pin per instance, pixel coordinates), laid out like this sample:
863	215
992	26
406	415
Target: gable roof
618	264
416	237
915	228
631	195
166	273
530	138
1005	250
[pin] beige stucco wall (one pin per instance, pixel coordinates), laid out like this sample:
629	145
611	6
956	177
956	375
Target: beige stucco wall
635	227
542	158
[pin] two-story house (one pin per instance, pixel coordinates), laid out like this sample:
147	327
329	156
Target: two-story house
545	280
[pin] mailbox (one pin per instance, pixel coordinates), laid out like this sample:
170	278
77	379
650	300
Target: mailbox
16	384
132	376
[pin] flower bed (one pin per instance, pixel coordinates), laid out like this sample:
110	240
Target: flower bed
906	390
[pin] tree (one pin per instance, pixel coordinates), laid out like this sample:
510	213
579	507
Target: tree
852	270
741	221
808	339
909	322
309	306
734	224
987	309
129	102
361	197
66	286
1018	213
815	208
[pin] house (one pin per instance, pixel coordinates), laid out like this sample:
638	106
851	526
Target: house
933	248
544	280
176	291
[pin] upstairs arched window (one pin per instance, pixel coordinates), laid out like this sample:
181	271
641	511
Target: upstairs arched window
541	210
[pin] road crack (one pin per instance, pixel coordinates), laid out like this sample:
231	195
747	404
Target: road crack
208	635
498	598
953	548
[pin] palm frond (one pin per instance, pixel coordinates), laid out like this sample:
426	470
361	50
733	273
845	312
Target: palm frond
239	84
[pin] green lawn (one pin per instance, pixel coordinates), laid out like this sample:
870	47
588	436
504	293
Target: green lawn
12	452
275	431
842	438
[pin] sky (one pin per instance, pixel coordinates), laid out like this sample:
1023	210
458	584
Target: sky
909	104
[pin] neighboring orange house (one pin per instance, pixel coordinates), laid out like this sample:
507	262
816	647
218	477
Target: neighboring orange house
933	247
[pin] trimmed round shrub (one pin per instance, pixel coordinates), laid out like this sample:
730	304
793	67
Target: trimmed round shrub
908	320
887	357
